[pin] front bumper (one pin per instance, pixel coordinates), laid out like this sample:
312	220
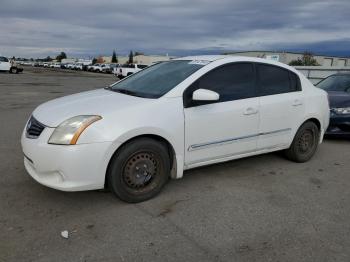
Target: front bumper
339	125
66	167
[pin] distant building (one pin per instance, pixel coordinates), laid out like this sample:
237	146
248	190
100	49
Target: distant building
150	59
122	59
108	59
138	59
287	57
68	60
84	61
76	60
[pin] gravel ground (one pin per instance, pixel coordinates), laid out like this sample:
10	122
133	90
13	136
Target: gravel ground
262	208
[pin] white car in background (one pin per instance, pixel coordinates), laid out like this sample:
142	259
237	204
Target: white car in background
93	67
78	66
100	68
70	66
128	69
90	67
5	64
56	65
173	116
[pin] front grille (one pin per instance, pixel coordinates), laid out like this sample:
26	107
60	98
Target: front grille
34	128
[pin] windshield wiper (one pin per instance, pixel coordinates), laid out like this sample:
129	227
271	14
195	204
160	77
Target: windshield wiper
126	91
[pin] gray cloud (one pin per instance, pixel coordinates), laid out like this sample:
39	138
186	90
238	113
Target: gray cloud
82	28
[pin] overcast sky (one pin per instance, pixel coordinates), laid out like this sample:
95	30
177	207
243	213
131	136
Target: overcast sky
37	28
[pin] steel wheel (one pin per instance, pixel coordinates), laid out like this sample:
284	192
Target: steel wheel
140	170
305	143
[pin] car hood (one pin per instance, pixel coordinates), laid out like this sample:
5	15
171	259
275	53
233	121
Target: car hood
97	102
339	99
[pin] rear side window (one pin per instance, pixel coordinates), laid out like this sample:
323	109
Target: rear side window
231	82
275	80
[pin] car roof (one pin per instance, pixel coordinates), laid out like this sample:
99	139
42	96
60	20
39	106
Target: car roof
209	58
341	74
212	58
233	58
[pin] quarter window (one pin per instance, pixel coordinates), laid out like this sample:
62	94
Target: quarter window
231	82
275	80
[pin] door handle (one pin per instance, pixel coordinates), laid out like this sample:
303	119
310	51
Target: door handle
297	102
250	111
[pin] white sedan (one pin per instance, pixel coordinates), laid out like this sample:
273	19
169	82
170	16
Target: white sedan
172	116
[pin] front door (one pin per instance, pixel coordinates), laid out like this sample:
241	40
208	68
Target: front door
227	127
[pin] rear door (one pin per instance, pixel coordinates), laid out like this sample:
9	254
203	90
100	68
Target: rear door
282	105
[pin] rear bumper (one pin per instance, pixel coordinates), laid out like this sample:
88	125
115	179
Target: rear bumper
339	125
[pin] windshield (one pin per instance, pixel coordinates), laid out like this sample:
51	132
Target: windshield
3	59
156	80
335	83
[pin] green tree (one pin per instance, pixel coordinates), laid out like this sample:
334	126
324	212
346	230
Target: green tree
94	61
114	57
306	60
61	56
131	57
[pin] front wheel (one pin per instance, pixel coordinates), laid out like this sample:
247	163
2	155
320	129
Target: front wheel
304	144
139	170
13	70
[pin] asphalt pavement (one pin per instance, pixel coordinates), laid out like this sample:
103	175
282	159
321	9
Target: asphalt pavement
262	208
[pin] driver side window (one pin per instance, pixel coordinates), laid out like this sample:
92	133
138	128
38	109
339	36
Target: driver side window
232	82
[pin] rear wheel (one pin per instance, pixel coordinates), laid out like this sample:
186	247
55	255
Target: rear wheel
304	144
13	70
139	170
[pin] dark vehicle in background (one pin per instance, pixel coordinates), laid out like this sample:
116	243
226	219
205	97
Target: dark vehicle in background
338	89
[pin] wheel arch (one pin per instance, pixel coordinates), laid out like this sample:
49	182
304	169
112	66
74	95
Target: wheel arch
172	153
314	120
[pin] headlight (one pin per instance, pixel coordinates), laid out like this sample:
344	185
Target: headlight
68	132
341	111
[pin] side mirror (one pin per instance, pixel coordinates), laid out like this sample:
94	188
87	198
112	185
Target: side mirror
205	95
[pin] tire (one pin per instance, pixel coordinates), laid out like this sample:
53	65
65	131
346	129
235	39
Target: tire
304	144
13	70
139	170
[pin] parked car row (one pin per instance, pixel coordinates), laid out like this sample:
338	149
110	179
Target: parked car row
118	70
128	69
102	68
